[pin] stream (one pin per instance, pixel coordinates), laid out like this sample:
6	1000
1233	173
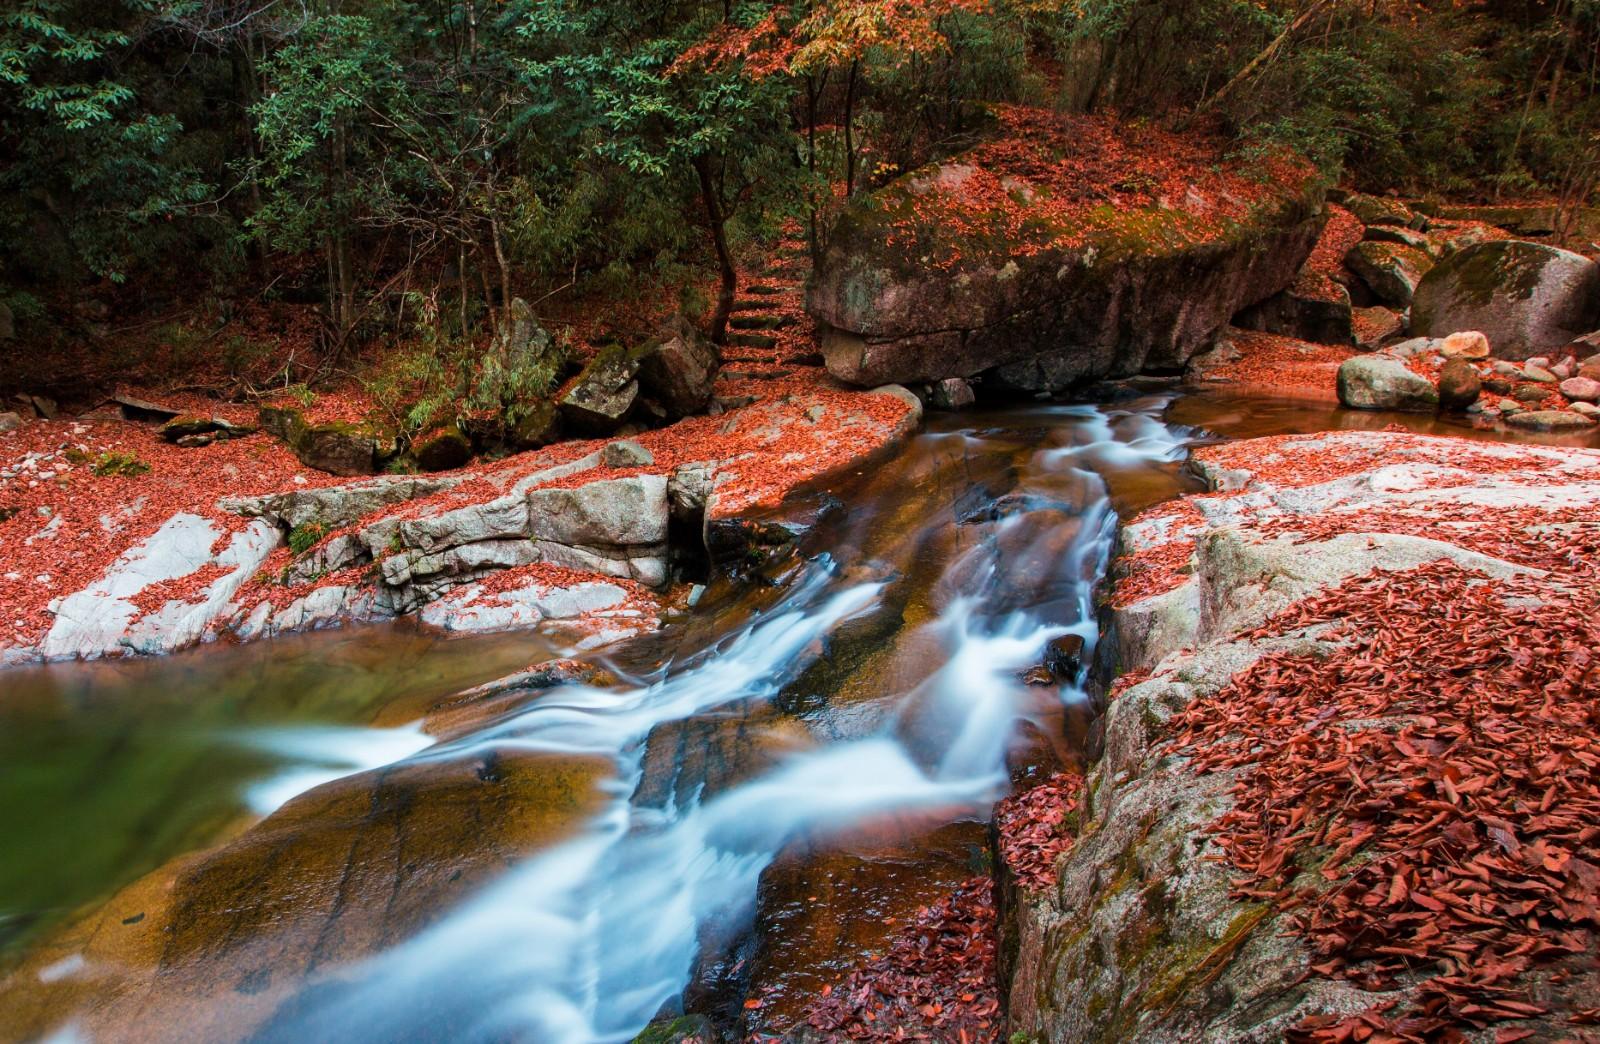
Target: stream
771	783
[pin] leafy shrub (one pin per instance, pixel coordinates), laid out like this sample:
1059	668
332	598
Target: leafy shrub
304	537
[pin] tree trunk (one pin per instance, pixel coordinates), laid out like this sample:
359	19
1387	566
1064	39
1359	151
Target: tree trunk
849	133
1267	54
717	218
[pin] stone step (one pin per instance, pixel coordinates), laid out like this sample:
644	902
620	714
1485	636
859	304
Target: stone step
756	304
761	322
765	290
753	340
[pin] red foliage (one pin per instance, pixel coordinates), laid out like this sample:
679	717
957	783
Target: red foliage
1426	798
937	982
1281	365
1053	180
1033	829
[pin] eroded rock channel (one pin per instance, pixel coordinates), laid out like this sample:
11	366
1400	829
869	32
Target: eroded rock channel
705	831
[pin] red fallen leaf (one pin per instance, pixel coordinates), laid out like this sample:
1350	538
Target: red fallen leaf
752	1004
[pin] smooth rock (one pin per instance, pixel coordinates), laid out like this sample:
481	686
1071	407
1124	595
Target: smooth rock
1538	373
1550	420
625	454
1530	393
1586	409
1376	383
1525	297
1459	385
1582	389
10	421
1467	344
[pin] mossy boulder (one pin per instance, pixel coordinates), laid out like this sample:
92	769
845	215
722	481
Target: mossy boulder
339	448
1371	382
1377	210
442	449
1526	297
1041	295
1390	270
600	398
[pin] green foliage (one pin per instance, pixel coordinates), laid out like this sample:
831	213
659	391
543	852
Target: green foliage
304	537
119	463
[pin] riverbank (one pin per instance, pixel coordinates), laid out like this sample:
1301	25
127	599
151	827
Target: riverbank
1349	773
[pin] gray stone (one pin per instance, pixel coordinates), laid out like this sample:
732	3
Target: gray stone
952	393
1582	389
1390	270
601	397
679	369
10	421
1550	420
1376	383
1526	297
625	454
1085	307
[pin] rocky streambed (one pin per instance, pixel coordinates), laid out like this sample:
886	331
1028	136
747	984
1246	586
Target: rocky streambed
720	823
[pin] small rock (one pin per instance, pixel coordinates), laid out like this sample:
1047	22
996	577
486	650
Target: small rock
1459	386
1498	385
1550	420
1510	406
1590	368
1586	409
625	453
1507	369
195	441
1377	383
1582	389
1530	393
1538	373
952	393
1468	344
184	425
1407	349
10	421
1063	657
1540	361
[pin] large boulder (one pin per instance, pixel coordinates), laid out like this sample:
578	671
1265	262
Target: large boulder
1526	297
1313	308
1372	382
337	447
1390	270
600	398
954	270
679	369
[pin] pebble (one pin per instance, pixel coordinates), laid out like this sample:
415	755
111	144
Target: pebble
1507	369
1510	406
1586	409
1581	388
1538	373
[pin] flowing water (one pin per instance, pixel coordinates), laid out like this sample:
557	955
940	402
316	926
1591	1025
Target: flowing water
759	792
